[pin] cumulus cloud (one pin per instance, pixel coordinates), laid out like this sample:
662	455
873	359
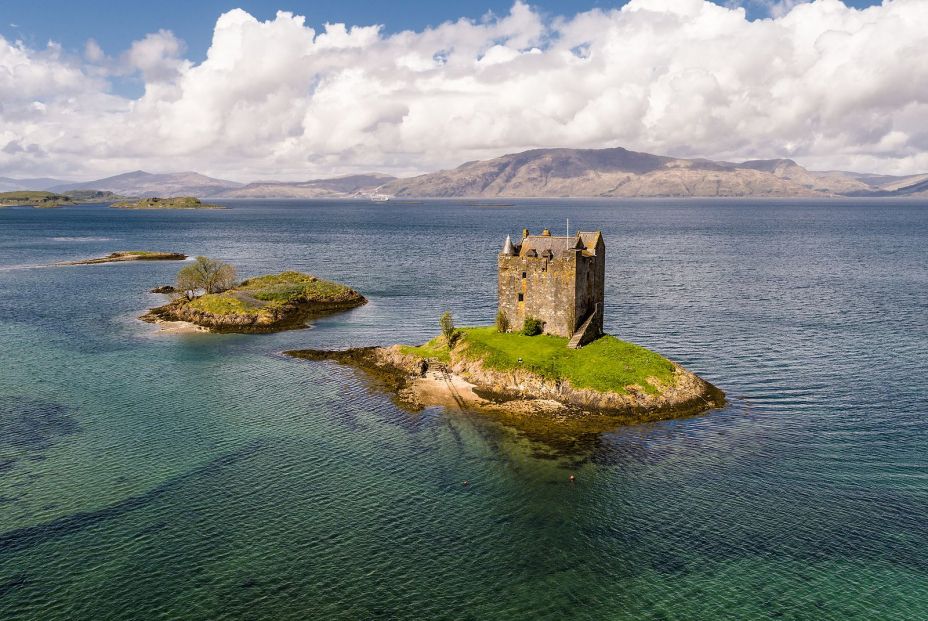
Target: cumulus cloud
825	84
93	52
157	56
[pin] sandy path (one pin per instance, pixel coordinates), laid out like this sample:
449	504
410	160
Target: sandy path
443	388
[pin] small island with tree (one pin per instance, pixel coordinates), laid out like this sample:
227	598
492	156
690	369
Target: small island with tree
547	353
206	295
177	202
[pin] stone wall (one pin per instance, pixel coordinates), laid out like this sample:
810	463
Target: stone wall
562	291
590	295
548	291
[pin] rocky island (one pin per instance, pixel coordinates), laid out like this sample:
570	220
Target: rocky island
547	353
178	202
270	303
130	255
38	199
605	383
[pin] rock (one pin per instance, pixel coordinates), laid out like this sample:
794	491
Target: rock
166	289
522	394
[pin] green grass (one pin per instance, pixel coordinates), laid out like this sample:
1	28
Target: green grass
221	304
267	294
295	286
436	349
607	364
34	198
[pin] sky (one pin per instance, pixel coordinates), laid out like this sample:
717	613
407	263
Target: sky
295	90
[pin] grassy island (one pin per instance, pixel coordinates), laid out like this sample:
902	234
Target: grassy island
535	379
130	255
178	202
607	364
28	198
268	303
25	198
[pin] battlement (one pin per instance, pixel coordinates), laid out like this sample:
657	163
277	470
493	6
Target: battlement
556	279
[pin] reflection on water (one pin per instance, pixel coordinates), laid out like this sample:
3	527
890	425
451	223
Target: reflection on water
147	475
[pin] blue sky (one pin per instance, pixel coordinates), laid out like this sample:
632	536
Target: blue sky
820	83
114	24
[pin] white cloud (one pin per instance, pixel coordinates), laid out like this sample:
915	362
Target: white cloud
93	52
157	56
831	86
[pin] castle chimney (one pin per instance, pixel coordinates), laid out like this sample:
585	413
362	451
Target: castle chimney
524	233
546	233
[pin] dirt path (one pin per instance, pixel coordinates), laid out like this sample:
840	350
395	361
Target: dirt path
248	299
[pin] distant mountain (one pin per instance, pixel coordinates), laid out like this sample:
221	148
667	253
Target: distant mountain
10	184
551	173
143	184
622	173
338	187
885	185
914	185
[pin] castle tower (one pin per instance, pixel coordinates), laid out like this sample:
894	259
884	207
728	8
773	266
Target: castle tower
558	280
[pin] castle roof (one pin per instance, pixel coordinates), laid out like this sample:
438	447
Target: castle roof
556	245
508	248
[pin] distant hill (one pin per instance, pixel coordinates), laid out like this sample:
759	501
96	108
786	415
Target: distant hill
622	173
10	184
144	184
542	173
338	187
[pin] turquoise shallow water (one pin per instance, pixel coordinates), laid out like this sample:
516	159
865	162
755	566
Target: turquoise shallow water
145	475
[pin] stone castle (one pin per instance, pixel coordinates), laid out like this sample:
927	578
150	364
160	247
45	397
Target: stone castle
557	280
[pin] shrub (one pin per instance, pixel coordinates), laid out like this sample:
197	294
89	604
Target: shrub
447	327
502	322
532	326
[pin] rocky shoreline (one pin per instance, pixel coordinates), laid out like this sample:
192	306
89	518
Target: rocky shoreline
178	202
464	383
291	316
270	303
129	255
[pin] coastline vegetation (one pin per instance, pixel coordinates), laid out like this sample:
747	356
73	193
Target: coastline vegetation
42	199
607	364
177	202
28	198
210	298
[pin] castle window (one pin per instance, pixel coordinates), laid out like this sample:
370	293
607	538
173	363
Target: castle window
521	297
524	274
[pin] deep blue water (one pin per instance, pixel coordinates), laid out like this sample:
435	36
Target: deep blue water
146	475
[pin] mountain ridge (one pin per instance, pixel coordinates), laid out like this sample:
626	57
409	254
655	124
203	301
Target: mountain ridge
335	187
535	173
145	184
13	184
620	173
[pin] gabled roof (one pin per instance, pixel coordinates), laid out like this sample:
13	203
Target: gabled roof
559	244
591	239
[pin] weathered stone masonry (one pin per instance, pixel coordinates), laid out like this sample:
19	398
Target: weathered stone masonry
559	280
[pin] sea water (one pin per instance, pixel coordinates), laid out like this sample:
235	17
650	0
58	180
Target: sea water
149	475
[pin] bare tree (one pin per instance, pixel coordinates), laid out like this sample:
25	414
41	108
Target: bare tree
205	274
